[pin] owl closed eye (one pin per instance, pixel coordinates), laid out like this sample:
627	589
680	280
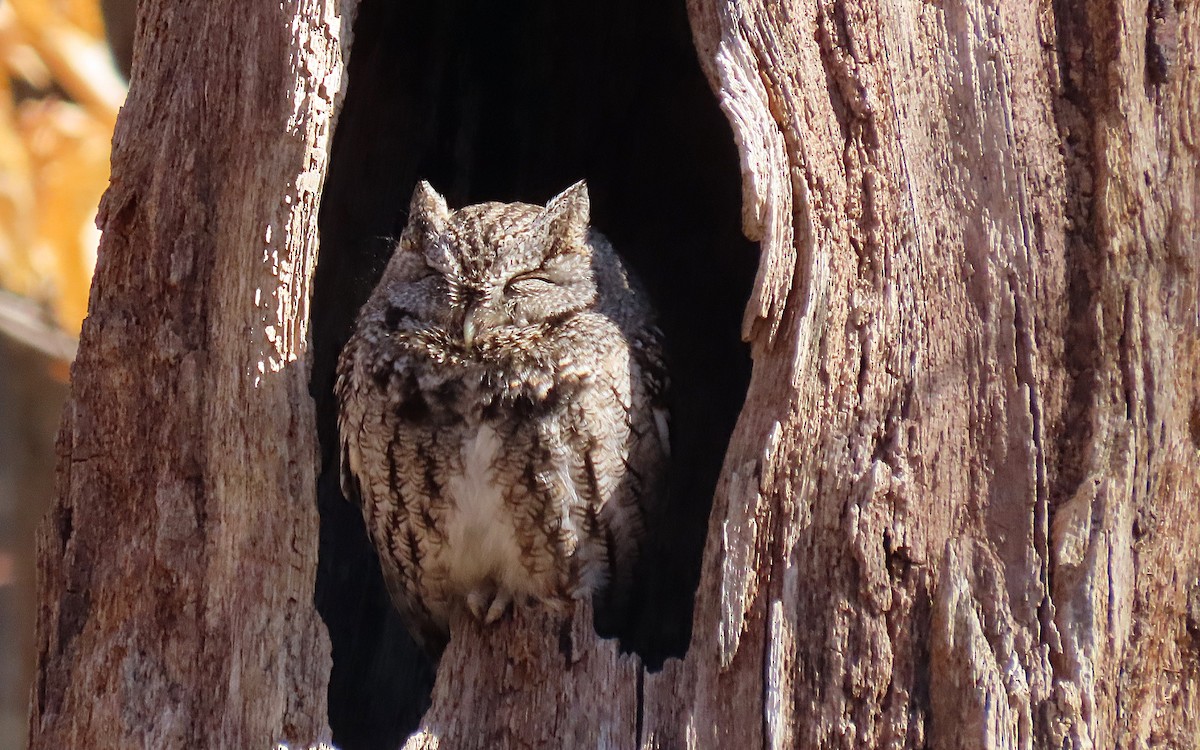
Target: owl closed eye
485	274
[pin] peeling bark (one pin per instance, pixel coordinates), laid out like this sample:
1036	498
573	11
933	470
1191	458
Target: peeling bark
958	510
532	680
964	476
177	563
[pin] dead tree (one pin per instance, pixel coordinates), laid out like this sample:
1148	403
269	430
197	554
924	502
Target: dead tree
958	508
177	562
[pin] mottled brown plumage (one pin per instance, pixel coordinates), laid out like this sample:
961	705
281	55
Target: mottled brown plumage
501	412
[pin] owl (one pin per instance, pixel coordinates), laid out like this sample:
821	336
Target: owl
501	413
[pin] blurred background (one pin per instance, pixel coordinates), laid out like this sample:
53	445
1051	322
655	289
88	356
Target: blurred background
63	67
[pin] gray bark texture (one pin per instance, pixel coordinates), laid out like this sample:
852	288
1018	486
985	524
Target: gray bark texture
959	510
177	562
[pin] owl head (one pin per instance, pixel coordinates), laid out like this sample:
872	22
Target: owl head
487	269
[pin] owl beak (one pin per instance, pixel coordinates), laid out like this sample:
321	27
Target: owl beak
469	331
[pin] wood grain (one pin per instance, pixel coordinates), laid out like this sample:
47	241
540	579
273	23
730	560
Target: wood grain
959	507
961	497
177	563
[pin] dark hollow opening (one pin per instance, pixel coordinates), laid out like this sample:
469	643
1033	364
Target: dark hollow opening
516	101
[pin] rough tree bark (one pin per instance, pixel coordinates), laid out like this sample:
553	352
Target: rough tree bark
177	563
958	510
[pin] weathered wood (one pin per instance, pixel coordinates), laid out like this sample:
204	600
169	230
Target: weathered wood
958	510
967	454
531	680
177	562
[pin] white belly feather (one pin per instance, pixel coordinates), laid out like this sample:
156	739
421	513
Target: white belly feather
481	541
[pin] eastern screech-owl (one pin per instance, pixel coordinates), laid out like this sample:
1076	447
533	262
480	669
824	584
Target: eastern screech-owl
502	412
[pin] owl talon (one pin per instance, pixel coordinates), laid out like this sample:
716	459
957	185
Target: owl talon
478	602
489	605
499	607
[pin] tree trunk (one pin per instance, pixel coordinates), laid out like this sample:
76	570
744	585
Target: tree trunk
958	509
177	563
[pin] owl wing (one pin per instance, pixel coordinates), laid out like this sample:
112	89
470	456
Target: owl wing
622	445
649	446
371	450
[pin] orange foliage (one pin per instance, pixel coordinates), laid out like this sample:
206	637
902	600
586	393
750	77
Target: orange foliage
59	95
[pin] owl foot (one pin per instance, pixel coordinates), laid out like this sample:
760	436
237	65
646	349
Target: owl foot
489	605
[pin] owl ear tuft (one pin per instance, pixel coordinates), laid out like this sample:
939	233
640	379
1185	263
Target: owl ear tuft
427	214
567	215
